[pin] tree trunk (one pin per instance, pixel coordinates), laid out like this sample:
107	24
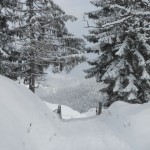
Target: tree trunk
32	83
32	65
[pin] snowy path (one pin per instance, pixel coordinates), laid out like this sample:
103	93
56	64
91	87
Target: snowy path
87	134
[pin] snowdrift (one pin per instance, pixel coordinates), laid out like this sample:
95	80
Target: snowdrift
121	127
68	113
25	122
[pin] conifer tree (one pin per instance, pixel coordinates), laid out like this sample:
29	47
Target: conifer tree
7	18
121	34
45	39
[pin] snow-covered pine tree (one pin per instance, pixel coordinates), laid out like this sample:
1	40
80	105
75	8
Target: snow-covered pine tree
45	39
7	18
69	52
121	33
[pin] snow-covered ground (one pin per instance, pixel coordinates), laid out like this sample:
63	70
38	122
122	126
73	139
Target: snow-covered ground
26	123
69	113
121	127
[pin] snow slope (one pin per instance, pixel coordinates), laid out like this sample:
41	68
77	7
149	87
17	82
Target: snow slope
121	127
26	123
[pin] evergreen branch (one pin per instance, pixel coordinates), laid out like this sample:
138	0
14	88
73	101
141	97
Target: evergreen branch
117	22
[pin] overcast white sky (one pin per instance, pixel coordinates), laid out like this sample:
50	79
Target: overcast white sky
76	8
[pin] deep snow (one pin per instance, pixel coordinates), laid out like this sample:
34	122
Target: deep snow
26	123
68	113
121	127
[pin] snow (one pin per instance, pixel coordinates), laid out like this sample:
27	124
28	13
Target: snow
49	5
140	58
113	69
121	127
117	85
145	1
69	113
25	122
145	75
116	22
120	7
130	87
120	52
132	96
3	53
147	46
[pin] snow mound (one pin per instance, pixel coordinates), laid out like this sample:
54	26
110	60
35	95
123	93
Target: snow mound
131	123
121	127
26	123
68	113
